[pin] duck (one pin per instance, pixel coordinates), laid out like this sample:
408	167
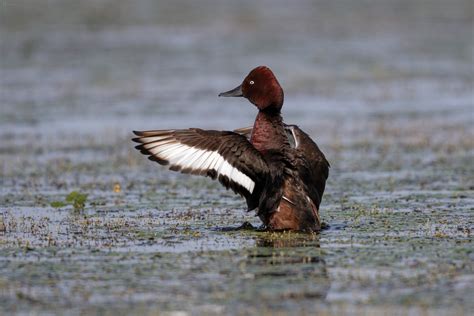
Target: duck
277	168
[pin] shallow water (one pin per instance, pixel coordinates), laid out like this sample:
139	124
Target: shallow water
385	88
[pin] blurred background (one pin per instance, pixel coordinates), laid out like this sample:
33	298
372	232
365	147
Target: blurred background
112	66
384	87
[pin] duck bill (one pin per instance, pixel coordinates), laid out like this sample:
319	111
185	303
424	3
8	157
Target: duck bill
236	92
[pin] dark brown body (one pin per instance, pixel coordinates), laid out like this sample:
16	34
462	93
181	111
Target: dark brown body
296	203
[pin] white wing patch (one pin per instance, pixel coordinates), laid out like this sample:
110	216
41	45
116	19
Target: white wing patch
188	157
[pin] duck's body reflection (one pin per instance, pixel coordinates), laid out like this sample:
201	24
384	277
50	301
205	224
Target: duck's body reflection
285	265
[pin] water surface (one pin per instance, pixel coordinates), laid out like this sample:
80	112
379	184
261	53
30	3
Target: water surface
385	88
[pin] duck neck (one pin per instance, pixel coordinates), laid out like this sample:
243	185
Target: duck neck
268	132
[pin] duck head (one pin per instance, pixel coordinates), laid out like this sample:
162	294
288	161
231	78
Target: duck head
261	88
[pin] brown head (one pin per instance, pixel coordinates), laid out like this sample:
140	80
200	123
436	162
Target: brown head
261	88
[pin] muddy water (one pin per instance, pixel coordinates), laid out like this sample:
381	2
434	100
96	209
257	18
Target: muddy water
385	88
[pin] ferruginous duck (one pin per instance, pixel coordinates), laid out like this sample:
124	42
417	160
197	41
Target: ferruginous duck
277	167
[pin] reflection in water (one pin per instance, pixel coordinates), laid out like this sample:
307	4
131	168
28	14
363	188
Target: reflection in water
287	265
288	240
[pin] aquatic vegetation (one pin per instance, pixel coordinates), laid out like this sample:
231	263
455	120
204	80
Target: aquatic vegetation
76	199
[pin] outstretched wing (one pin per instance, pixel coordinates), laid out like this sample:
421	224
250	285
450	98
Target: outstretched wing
226	156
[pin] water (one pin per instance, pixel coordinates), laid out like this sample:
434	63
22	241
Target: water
385	88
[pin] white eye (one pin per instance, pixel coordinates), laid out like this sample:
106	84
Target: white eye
251	82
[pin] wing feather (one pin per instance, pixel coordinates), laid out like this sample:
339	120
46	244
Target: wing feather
311	164
227	156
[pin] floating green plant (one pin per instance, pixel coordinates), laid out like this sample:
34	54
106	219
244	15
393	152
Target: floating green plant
76	199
